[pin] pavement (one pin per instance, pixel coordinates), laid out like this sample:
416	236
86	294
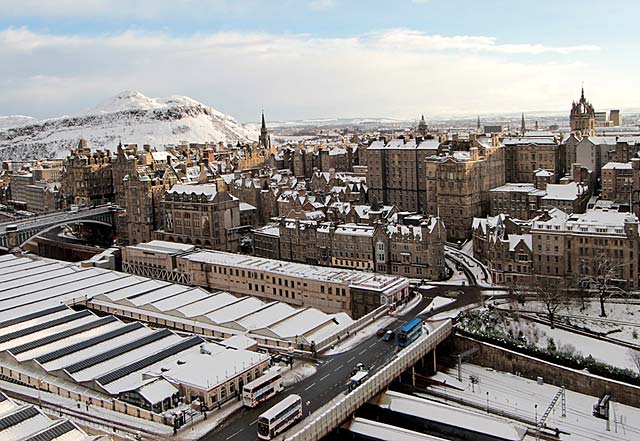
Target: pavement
333	372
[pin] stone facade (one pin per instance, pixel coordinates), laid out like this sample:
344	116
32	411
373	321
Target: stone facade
395	172
87	176
570	248
409	245
205	215
141	179
329	290
458	186
582	117
525	156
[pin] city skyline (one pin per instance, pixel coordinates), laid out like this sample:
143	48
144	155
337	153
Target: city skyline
321	59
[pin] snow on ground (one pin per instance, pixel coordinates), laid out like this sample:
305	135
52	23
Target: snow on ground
622	317
300	371
540	335
436	303
201	427
458	277
518	395
444	379
483	277
622	321
467	248
407	306
452	313
361	335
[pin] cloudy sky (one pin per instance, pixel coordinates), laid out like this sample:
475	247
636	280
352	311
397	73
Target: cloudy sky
320	58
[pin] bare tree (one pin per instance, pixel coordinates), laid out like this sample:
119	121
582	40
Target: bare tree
552	293
634	355
602	274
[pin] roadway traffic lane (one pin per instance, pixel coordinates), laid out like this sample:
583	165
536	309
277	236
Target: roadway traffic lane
332	375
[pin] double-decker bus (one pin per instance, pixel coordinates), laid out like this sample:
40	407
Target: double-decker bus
277	419
261	389
409	332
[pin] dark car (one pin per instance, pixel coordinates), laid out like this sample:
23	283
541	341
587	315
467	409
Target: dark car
388	336
381	332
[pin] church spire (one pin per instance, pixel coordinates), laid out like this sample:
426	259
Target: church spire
478	124
523	127
264	135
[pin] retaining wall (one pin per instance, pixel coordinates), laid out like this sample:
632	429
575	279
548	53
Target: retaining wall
516	363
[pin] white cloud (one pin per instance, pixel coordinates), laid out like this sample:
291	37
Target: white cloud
318	5
395	73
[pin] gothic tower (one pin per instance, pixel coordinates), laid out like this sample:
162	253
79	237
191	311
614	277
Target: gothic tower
523	127
265	143
422	126
582	117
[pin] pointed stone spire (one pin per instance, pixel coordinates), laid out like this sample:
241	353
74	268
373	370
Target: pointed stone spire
478	124
264	135
523	127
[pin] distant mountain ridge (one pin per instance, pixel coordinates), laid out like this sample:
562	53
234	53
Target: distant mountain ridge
130	117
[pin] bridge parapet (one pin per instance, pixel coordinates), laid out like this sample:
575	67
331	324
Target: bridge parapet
16	233
329	419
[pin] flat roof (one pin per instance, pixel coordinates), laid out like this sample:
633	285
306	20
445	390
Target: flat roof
162	247
357	279
448	415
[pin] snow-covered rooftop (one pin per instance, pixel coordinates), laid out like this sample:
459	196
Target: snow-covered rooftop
163	247
208	190
291	269
617	166
448	415
599	221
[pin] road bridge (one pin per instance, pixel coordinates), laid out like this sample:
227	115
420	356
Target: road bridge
330	382
15	234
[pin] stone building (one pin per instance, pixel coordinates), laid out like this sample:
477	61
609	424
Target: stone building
593	152
582	117
205	215
410	245
331	290
395	172
458	185
520	201
502	244
349	245
414	248
87	176
526	155
567	249
33	194
298	241
141	179
619	179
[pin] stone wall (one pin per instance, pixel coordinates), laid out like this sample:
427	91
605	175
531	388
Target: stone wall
529	367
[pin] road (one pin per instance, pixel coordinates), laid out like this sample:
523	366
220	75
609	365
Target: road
333	372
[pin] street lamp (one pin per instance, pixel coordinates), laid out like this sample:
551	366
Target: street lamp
487	401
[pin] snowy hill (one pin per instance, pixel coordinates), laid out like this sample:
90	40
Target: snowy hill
129	117
15	121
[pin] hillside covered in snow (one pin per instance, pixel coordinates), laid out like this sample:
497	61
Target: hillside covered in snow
129	117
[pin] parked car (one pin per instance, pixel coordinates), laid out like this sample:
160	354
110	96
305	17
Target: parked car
388	336
381	332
